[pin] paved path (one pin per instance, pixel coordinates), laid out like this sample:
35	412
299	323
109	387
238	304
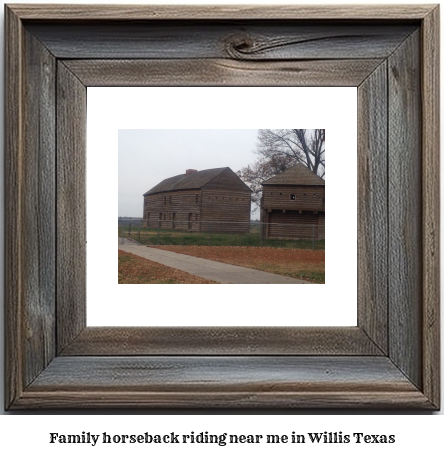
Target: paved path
213	270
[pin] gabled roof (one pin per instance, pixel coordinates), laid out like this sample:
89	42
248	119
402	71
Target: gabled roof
298	175
186	181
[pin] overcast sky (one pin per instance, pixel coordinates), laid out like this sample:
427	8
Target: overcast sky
146	157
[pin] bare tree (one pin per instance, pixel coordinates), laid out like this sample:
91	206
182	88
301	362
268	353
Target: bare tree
261	170
279	150
298	146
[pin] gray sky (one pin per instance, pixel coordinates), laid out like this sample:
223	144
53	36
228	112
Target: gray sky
146	157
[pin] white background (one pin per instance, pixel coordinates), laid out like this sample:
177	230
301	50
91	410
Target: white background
415	433
332	304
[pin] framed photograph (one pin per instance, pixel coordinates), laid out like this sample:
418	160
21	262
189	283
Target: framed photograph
188	137
390	359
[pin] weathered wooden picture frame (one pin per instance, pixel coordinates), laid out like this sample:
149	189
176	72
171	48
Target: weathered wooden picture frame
389	360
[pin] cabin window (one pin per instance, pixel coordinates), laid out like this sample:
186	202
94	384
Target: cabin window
280	194
197	198
293	197
169	199
165	200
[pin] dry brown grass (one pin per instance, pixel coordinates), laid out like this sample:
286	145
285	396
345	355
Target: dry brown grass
297	263
136	270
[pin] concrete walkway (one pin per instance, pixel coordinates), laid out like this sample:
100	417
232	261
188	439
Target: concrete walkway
200	267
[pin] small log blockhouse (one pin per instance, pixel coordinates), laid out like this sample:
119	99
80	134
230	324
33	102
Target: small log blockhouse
293	205
209	200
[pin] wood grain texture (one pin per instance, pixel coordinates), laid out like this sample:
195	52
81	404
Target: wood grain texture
221	72
220	12
234	382
89	374
234	40
405	209
127	341
71	206
398	400
30	227
431	205
13	209
209	373
38	223
372	207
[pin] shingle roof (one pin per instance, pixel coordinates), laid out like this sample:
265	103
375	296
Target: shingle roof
186	181
298	175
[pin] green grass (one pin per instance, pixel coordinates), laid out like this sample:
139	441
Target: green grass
151	236
289	271
124	259
311	276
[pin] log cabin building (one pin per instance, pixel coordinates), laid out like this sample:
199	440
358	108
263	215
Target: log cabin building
209	200
293	205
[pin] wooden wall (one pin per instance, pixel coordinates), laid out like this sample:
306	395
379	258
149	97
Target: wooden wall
226	211
160	207
213	208
293	224
321	229
309	198
300	218
226	204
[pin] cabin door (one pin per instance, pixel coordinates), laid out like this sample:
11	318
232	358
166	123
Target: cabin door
190	223
174	220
